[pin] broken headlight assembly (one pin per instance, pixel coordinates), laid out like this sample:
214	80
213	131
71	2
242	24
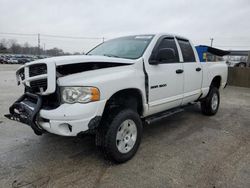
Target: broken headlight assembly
79	94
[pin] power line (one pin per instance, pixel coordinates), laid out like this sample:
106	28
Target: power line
233	46
39	36
72	37
54	36
239	37
17	34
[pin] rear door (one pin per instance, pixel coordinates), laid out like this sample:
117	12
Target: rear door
192	72
165	79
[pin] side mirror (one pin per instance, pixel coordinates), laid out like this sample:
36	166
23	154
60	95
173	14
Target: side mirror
165	55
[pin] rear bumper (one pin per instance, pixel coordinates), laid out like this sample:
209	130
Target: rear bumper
71	119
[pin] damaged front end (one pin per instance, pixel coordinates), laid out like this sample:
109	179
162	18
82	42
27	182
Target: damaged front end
39	81
64	70
40	106
25	110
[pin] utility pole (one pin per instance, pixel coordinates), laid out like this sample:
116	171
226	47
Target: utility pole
212	40
44	49
248	59
38	43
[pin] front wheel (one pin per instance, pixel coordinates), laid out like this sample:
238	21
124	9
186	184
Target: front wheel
123	132
211	103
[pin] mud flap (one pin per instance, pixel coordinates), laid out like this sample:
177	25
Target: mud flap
25	110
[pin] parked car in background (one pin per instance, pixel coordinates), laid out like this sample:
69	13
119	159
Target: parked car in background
19	58
233	63
238	59
12	61
23	60
2	60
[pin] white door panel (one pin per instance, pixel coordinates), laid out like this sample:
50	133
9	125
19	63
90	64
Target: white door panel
165	87
192	82
192	72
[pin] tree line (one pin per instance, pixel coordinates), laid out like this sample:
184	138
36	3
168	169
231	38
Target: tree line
11	46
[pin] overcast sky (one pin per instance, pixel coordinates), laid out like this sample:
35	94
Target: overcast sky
227	21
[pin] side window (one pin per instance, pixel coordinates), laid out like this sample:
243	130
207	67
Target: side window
169	43
187	51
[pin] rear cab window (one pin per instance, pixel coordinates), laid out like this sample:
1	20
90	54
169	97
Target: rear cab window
187	50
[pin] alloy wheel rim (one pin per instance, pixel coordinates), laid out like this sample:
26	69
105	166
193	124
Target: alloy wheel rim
214	102
126	136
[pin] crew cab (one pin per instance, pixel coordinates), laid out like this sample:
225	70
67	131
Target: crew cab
116	87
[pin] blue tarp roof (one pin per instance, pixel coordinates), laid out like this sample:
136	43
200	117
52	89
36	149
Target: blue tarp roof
201	49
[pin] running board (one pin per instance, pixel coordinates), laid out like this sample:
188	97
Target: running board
162	115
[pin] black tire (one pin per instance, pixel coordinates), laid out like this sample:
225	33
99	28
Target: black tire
242	65
107	132
207	107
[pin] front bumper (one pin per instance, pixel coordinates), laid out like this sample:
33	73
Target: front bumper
65	120
25	110
71	119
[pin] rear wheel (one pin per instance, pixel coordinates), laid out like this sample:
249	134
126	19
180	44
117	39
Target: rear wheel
242	65
120	135
210	105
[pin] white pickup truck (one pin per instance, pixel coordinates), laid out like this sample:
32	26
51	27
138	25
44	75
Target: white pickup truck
115	87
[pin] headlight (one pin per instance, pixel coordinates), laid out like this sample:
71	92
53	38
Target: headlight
80	94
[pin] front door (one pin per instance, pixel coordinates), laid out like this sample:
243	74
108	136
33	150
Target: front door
165	79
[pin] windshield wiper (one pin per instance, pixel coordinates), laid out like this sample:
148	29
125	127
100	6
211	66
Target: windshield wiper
111	55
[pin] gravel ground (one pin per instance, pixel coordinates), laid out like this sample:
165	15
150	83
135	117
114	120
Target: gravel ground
185	150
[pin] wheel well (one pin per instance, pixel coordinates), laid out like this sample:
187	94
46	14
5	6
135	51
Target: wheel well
128	98
241	62
216	82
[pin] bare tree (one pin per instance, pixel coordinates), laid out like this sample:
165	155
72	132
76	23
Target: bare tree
12	46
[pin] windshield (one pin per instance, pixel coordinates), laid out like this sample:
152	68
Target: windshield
131	47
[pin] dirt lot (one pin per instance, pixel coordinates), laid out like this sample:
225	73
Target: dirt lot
185	150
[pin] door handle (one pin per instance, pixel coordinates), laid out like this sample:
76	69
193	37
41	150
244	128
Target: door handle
179	71
198	69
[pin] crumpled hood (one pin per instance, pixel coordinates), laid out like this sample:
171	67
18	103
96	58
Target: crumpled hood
64	60
75	70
